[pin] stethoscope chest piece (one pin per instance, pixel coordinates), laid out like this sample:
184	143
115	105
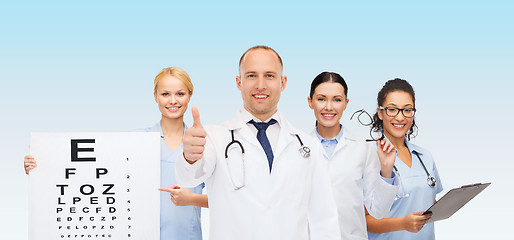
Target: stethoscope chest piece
431	181
305	151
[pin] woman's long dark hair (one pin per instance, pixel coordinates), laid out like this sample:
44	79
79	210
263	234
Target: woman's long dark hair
396	84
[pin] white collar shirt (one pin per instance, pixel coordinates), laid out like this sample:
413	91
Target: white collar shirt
272	132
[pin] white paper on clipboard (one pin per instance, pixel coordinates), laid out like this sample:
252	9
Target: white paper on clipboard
454	200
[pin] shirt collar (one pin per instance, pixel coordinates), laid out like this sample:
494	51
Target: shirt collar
335	139
247	117
412	147
158	127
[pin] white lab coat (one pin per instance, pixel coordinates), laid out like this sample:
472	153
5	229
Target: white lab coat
294	202
354	170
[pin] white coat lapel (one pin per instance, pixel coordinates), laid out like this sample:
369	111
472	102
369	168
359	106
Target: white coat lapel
285	138
238	123
315	136
344	140
249	136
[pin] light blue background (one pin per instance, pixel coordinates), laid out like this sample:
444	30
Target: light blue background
89	66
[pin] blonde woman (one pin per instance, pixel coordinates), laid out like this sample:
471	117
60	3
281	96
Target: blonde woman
180	217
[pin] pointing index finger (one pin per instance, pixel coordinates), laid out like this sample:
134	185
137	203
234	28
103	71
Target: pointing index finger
165	189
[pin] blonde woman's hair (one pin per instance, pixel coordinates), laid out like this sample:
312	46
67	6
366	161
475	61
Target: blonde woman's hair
176	72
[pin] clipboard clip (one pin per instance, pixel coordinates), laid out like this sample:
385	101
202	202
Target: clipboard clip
471	185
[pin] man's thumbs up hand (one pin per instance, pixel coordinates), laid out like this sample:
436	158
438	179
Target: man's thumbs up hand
194	139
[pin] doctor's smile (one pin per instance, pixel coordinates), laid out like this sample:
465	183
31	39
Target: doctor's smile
260	96
328	116
398	126
173	108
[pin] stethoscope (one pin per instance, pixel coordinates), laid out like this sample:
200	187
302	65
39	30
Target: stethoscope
431	181
304	152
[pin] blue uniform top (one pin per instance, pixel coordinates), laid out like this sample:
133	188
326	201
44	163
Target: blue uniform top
177	223
420	195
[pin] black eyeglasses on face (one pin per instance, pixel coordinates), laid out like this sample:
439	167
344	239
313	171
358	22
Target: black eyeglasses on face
366	120
393	111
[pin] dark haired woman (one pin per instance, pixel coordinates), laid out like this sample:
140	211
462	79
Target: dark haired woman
358	177
415	166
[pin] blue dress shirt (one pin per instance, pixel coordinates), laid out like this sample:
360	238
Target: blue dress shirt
330	144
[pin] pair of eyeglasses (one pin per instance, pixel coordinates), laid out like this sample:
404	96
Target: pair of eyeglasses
394	111
366	120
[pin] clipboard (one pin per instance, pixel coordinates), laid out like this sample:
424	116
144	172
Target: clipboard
454	200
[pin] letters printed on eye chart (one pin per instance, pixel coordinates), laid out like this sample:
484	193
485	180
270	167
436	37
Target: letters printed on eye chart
94	186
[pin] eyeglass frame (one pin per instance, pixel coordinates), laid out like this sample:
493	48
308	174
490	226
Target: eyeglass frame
368	124
399	110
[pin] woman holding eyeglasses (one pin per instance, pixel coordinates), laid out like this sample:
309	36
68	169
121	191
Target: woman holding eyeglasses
358	176
414	165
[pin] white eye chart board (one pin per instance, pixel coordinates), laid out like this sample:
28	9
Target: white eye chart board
94	186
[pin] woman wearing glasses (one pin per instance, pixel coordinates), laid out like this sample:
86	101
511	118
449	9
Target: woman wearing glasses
414	165
358	176
172	92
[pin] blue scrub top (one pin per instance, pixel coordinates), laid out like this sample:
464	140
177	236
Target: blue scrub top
177	223
421	195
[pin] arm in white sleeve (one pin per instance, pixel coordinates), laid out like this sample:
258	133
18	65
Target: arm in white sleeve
378	194
191	175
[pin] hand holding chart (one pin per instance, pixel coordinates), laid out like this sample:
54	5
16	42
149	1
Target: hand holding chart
454	200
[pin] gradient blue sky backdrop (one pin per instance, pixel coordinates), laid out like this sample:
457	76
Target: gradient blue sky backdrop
89	66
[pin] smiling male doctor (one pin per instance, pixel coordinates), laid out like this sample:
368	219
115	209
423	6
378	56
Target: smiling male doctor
274	191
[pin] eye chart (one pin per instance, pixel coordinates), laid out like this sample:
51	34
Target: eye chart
94	186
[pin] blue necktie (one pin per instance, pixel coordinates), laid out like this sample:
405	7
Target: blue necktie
263	139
